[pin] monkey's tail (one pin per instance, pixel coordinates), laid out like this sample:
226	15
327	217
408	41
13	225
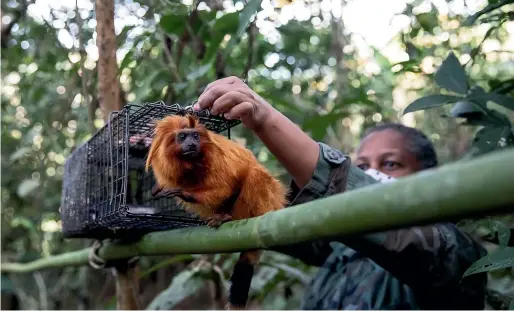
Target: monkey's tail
241	280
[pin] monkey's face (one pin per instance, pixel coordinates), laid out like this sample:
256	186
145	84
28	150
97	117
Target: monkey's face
189	142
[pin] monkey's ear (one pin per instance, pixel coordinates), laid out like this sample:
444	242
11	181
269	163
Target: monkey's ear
193	121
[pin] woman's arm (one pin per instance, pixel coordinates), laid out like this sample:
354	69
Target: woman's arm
292	147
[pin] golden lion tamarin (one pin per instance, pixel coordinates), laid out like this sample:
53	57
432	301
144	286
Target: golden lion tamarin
216	178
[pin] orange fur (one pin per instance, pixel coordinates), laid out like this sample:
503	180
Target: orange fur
226	167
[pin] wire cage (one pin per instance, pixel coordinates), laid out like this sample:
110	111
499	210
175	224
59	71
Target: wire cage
106	191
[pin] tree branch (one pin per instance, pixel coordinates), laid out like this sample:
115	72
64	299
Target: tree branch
460	190
251	38
489	8
18	16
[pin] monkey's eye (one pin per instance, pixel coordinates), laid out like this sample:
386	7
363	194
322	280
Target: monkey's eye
196	136
181	136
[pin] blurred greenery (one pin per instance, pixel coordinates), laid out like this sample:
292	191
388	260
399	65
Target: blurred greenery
454	57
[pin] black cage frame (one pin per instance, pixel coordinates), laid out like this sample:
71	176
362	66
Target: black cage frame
107	193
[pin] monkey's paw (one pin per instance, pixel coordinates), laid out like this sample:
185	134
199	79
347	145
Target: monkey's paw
217	220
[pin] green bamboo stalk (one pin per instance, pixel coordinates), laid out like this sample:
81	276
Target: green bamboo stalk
464	189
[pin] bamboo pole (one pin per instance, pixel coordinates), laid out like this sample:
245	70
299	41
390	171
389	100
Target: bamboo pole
464	189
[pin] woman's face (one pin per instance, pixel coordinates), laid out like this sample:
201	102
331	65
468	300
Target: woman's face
385	151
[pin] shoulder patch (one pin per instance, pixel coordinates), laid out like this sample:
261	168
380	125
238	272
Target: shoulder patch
332	155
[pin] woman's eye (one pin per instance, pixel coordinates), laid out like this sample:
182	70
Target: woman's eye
363	166
391	164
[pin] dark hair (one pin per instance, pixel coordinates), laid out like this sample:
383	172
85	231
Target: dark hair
419	144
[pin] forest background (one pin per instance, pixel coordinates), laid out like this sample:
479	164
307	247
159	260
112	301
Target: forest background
335	67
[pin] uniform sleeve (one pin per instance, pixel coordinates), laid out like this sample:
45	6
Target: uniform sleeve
430	259
329	171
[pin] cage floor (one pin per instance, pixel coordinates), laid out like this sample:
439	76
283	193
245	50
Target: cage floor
131	225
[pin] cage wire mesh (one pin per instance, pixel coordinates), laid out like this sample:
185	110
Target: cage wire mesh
106	191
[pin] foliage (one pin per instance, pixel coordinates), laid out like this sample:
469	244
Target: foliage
312	69
497	131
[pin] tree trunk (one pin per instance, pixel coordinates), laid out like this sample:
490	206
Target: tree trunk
110	99
108	85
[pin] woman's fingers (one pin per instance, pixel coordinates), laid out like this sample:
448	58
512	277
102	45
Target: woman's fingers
228	100
240	111
219	88
228	80
235	100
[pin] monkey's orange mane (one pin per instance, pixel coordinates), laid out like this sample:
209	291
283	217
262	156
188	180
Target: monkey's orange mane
163	153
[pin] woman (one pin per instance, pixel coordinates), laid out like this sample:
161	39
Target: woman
410	268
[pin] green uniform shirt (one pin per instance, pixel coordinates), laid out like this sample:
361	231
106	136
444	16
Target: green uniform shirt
410	268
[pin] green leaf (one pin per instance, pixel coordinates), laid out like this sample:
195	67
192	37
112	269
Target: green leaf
19	153
502	230
430	101
168	262
407	66
465	108
122	37
181	86
502	258
451	75
474	108
292	271
428	21
199	72
245	16
262	278
6	285
182	286
24	222
381	59
493	226
488	117
482	119
500	99
489	139
501	87
157	80
173	23
476	95
227	24
317	125
414	32
127	59
493	5
511	307
26	187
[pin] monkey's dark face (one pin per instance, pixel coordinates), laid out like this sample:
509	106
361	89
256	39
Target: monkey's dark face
189	142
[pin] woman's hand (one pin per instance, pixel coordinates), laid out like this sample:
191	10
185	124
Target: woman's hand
235	100
283	138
